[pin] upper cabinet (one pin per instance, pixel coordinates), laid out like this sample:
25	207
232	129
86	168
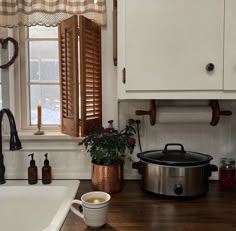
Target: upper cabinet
230	46
176	49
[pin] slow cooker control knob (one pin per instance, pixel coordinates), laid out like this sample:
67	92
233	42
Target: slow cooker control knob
178	189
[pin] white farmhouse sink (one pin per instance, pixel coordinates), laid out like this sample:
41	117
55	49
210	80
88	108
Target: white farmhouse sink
38	207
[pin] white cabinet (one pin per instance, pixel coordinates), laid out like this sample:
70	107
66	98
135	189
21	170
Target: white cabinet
166	46
230	46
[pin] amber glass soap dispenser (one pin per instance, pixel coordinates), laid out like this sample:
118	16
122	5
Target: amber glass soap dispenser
32	171
46	171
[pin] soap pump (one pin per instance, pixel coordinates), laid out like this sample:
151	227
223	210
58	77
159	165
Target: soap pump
32	171
46	171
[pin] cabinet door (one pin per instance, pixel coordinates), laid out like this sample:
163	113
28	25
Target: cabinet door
168	44
230	46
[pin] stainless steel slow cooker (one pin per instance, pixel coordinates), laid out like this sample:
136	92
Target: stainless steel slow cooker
175	172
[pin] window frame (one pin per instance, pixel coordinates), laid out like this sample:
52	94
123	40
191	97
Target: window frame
24	79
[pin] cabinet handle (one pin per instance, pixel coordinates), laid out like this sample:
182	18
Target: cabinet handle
210	67
123	76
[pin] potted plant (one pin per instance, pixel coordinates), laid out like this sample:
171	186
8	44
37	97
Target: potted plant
109	148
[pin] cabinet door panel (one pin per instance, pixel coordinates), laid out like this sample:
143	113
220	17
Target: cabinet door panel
230	46
168	44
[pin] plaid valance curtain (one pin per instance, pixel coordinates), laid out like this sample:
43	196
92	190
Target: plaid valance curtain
49	12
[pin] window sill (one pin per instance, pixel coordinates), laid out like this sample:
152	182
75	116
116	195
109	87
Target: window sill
50	141
48	135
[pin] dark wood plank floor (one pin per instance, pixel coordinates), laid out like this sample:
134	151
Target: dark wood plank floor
136	210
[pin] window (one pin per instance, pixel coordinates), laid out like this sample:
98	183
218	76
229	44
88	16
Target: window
40	76
42	83
50	74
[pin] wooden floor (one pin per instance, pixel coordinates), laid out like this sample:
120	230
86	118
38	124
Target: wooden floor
136	210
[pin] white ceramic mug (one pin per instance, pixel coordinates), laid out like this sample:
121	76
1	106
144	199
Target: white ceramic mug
95	207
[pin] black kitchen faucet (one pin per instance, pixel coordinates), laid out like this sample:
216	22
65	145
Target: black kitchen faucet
15	143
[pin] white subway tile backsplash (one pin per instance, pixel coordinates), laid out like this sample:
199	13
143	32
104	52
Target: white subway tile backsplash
70	161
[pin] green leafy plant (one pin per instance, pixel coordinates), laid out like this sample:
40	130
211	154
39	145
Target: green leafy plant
108	146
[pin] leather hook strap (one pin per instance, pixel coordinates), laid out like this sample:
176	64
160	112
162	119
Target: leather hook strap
216	112
4	43
151	112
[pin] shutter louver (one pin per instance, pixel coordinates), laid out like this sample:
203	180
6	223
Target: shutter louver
68	53
90	75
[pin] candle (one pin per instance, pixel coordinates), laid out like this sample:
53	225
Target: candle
39	115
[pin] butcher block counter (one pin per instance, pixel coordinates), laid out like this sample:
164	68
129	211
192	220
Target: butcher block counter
136	210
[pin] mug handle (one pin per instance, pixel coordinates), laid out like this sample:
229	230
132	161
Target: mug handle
74	210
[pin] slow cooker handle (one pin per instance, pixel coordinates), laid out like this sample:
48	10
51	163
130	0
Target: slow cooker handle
139	166
174	144
212	168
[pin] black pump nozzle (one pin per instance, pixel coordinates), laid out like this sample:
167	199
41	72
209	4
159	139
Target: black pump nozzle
46	161
32	162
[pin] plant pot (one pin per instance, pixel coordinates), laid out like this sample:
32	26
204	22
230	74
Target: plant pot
107	178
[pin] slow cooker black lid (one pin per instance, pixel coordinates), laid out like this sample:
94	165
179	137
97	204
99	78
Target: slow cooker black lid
174	157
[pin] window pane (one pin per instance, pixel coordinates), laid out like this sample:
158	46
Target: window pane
50	101
34	70
44	61
49	70
43	32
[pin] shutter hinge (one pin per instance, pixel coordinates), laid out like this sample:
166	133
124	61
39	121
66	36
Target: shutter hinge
123	76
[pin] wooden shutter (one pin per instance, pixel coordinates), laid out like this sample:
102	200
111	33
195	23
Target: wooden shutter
90	75
68	56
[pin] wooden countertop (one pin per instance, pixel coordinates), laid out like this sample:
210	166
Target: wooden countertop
136	210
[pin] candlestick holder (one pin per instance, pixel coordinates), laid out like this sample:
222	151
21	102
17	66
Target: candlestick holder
39	132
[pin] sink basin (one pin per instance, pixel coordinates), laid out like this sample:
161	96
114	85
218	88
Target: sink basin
36	207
